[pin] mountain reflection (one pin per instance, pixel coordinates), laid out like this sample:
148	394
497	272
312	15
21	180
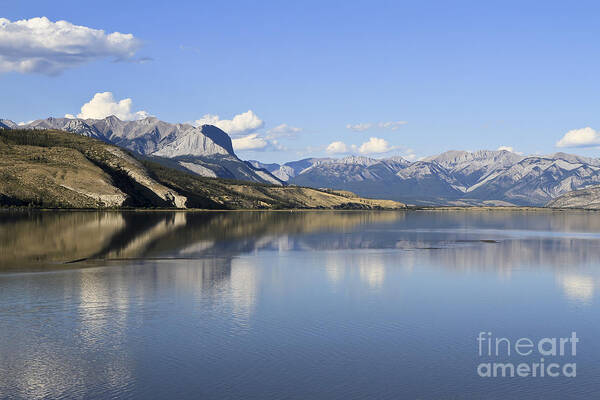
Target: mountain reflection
28	238
462	240
496	241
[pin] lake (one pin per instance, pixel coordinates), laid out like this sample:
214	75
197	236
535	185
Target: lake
296	305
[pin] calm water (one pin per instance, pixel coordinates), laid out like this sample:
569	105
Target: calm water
268	305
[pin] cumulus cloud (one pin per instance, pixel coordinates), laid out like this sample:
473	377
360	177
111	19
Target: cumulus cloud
38	45
104	104
586	137
240	124
337	148
374	146
392	125
243	130
249	142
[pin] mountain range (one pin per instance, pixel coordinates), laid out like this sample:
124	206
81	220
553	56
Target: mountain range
452	178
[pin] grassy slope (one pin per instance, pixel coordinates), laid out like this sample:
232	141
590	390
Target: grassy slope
42	172
60	169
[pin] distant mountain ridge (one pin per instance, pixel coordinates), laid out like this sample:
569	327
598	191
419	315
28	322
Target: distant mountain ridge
205	150
482	177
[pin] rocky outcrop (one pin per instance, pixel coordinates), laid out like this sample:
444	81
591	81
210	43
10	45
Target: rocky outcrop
136	171
588	198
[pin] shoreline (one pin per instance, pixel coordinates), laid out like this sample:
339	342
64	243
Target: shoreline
407	208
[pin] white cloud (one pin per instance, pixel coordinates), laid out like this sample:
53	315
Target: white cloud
585	137
374	146
283	130
277	146
337	148
38	45
360	127
103	105
392	125
511	149
240	124
507	148
409	154
249	142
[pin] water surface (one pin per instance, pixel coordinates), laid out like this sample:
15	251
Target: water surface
268	305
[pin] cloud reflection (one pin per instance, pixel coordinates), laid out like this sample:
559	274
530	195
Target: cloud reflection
578	288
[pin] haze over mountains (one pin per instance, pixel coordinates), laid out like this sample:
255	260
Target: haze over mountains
451	178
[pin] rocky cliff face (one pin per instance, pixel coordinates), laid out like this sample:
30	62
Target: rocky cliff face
147	136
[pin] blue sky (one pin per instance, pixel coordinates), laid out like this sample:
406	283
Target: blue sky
442	75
